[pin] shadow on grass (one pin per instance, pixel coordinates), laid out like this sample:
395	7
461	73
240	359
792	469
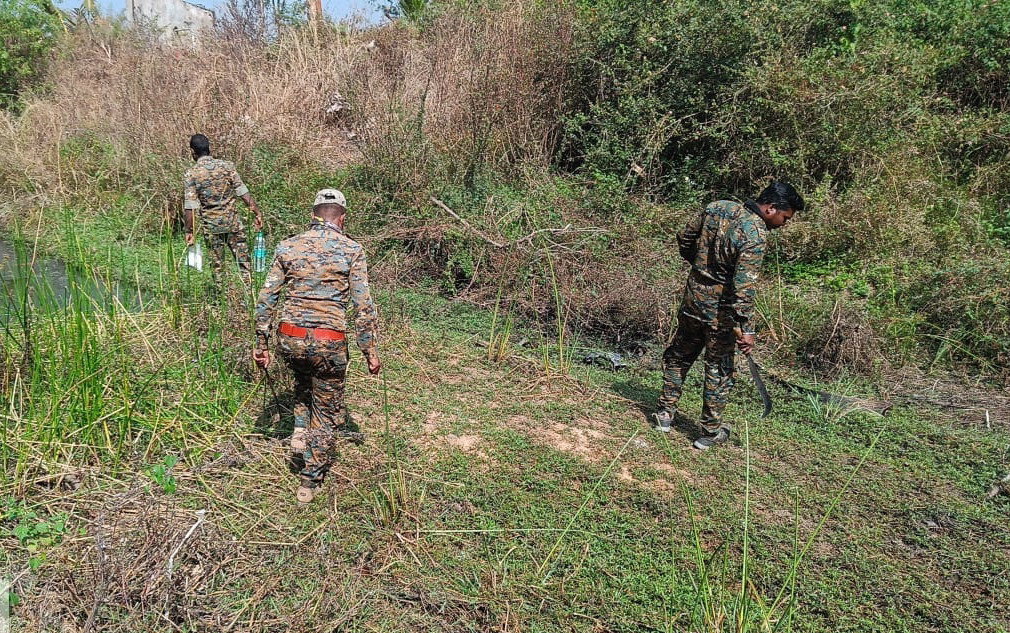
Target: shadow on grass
645	399
277	417
277	421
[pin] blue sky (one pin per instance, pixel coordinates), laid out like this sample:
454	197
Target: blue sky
334	8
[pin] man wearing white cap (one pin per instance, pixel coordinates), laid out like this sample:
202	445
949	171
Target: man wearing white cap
325	274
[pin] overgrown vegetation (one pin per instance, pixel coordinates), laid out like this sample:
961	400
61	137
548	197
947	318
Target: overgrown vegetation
28	30
516	172
472	506
582	134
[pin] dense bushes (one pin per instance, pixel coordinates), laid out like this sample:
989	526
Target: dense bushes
28	30
574	137
889	115
719	96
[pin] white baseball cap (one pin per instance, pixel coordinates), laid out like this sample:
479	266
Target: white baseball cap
330	196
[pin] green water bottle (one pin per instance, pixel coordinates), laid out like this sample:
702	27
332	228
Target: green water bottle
260	253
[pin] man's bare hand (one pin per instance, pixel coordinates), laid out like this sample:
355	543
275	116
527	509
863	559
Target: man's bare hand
255	209
261	357
190	240
374	365
745	342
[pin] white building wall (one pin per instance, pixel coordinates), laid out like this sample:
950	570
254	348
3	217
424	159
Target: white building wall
177	21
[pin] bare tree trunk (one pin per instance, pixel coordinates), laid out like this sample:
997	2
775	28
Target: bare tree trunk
315	8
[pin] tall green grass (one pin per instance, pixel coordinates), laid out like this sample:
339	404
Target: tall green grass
88	377
500	331
69	390
729	601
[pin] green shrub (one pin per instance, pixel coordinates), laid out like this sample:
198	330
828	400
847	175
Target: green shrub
721	95
648	76
410	10
965	312
677	95
28	30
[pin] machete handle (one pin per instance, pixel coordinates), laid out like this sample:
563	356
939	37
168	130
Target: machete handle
739	334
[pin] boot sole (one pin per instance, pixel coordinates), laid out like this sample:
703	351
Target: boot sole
659	426
304	496
706	446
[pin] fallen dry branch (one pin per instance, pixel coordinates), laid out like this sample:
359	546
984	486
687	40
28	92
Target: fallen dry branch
526	240
441	205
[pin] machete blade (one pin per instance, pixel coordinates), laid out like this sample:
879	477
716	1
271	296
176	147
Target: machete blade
756	375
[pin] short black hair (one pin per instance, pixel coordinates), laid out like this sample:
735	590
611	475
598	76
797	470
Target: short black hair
200	145
782	196
329	207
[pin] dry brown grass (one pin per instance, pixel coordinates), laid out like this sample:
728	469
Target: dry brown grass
844	341
140	101
482	87
473	90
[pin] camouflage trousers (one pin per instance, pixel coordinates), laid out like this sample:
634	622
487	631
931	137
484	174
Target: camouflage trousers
691	338
320	369
217	246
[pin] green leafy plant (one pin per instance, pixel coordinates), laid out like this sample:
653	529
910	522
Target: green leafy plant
394	497
830	409
410	10
501	326
35	532
162	475
564	349
28	29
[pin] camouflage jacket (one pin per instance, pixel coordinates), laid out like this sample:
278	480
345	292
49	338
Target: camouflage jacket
724	244
324	272
211	188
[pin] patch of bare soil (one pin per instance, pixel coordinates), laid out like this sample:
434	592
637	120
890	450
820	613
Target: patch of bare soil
588	439
594	440
465	443
434	438
669	482
433	423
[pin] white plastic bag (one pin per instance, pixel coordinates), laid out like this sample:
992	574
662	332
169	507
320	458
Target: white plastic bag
194	257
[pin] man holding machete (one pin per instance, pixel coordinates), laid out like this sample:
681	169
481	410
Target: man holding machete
724	244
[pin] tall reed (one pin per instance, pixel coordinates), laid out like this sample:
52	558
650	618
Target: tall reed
89	377
722	609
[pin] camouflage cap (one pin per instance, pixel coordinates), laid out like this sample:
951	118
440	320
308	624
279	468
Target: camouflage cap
330	196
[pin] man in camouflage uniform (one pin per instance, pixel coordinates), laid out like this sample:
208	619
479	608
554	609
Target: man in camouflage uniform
324	273
211	188
724	244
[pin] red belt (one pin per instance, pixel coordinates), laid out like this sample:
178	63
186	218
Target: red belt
319	333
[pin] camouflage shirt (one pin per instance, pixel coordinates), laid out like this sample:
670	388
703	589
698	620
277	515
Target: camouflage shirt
724	244
324	272
211	188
